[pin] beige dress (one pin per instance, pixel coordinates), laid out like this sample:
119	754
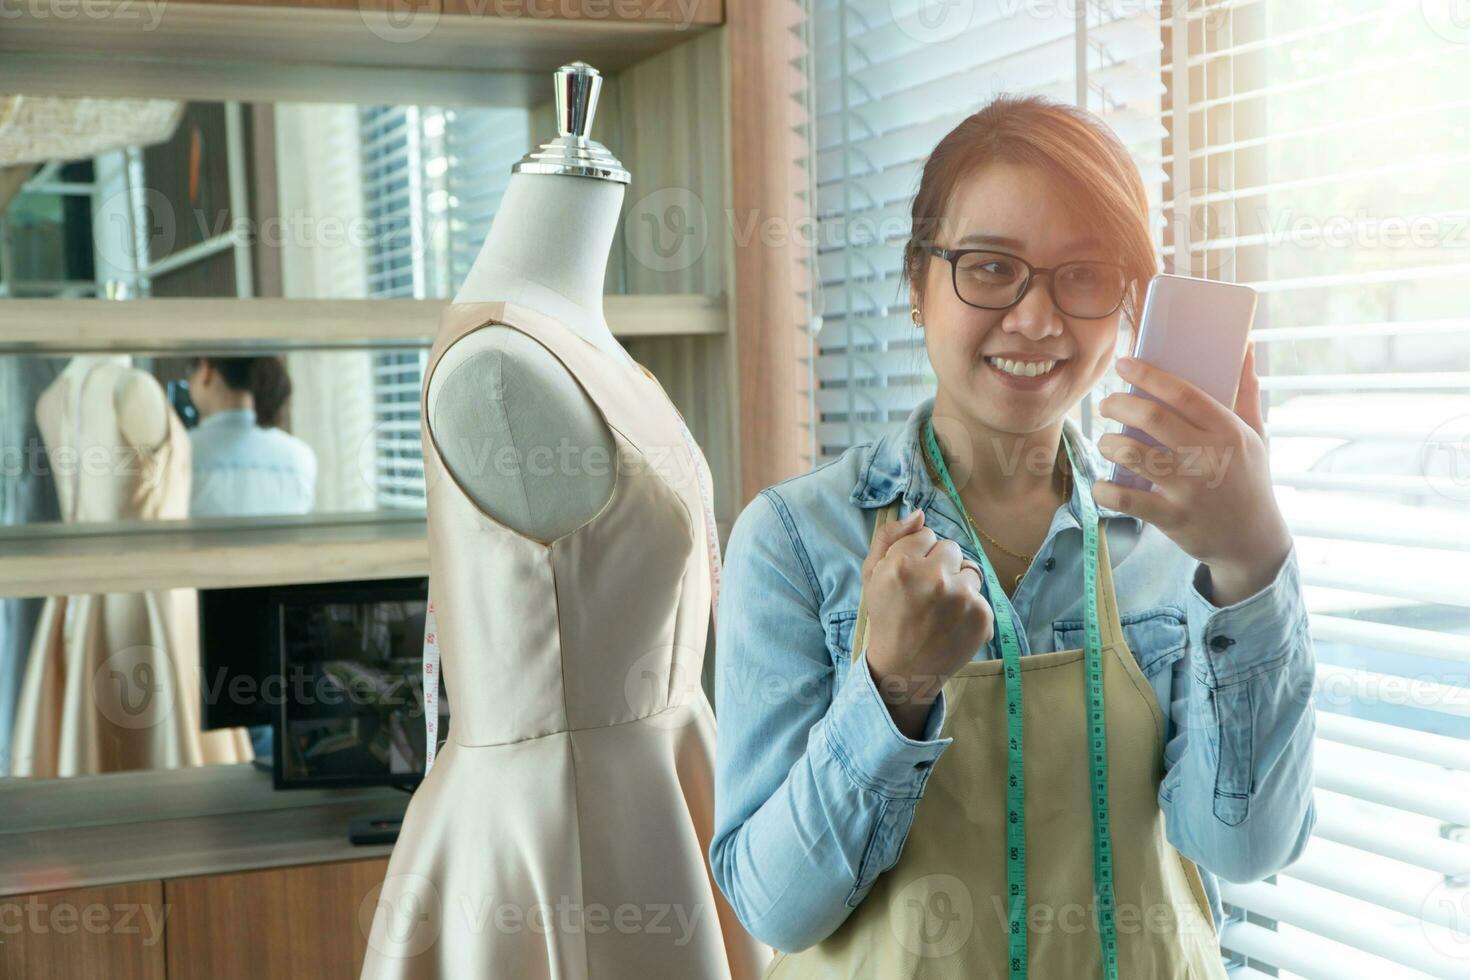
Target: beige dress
563	830
940	913
112	682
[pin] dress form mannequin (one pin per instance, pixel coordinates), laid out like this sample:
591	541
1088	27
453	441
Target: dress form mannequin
139	401
547	250
111	678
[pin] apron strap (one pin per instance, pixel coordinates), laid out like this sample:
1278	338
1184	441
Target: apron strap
860	629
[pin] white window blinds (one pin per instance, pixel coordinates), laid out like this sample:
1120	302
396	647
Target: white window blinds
1318	152
432	179
892	77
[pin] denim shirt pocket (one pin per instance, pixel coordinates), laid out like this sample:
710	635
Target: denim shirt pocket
1157	636
841	624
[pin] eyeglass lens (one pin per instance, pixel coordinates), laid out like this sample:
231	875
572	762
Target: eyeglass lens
994	280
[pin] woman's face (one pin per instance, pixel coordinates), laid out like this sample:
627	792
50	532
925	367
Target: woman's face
1019	210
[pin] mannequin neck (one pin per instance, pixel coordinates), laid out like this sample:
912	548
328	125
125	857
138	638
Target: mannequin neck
82	363
547	250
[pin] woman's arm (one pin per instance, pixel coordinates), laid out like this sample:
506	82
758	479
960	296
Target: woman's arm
1237	790
814	790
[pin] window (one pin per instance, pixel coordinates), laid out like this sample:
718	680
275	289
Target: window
432	179
891	78
1317	152
1320	149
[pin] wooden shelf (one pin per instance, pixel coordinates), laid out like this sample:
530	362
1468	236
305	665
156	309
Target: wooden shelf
208	554
475	52
222	325
169	823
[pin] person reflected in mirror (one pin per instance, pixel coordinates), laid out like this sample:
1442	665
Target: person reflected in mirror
245	464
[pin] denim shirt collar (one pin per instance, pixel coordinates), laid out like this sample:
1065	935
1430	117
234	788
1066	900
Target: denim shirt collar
894	466
241	418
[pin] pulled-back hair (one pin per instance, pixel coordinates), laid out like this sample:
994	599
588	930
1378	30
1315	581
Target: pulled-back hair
264	377
1069	144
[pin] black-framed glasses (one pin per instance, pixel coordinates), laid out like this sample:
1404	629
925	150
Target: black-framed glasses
992	280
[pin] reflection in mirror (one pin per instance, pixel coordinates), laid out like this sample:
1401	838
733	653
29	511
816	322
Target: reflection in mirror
204	199
103	683
118	438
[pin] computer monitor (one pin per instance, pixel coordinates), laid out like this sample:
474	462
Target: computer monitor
351	664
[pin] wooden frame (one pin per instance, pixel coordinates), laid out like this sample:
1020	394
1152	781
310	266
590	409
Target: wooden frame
199	325
210	554
771	352
484	52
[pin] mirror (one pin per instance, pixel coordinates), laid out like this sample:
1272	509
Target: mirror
116	437
132	199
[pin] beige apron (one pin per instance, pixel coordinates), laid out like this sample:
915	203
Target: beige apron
940	912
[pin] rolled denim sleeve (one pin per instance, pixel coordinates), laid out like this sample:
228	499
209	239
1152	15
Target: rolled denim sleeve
1237	790
815	785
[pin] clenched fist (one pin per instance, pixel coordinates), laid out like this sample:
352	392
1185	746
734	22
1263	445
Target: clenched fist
926	616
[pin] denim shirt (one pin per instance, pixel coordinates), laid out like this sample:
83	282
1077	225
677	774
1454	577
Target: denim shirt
815	786
242	469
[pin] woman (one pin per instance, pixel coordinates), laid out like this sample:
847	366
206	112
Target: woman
244	465
879	813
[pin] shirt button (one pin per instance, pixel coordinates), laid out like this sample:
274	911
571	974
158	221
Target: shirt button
1049	564
1220	642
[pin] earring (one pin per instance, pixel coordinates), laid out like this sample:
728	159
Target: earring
914	316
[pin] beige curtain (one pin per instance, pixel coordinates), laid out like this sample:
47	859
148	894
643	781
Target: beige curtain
324	254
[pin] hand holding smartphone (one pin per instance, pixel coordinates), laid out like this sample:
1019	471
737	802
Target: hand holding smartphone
1196	329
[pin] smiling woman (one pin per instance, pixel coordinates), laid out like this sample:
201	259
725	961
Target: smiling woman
955	765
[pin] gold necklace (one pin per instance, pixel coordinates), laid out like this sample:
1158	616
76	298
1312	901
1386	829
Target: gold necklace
1067	495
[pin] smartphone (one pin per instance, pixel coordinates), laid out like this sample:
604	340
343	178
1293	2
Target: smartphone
1197	329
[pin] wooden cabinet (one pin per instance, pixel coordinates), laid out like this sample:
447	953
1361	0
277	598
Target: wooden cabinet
307	920
303	921
111	931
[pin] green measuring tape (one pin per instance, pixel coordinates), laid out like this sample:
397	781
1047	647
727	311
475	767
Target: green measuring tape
1102	846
